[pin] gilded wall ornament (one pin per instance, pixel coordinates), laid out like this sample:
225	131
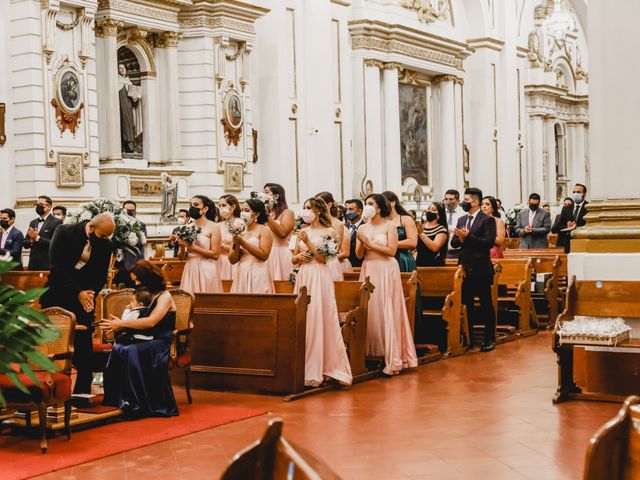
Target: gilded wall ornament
68	102
70	170
233	177
232	117
426	11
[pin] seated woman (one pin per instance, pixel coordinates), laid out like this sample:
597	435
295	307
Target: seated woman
136	378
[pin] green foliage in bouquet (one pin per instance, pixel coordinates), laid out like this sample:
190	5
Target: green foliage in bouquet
22	329
513	214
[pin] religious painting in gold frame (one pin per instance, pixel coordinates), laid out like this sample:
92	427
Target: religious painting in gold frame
233	177
232	116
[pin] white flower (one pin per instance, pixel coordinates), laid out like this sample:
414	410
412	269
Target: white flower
85	215
133	239
143	239
6	257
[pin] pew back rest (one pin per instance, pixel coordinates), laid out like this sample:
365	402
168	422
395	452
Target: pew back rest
605	298
511	243
25	280
171	269
115	302
439	281
515	271
185	303
545	256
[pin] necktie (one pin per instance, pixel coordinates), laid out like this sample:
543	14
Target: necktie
450	218
4	239
469	220
84	257
575	213
40	220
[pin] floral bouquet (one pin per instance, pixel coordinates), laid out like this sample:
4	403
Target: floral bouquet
188	233
512	215
298	225
269	200
293	276
128	234
236	227
328	247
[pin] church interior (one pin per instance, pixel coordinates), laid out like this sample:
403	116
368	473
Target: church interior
458	301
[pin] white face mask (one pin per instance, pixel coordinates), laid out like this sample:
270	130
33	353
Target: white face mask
224	212
58	216
369	211
307	216
246	216
182	221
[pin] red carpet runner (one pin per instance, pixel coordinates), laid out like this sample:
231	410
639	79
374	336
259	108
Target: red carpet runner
20	457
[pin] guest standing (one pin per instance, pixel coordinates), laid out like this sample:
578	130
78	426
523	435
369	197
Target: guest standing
201	273
454	212
388	329
433	241
534	224
130	258
556	227
407	232
11	239
136	378
250	251
229	210
281	221
353	214
325	352
40	233
80	255
183	219
60	212
573	217
475	235
490	207
339	229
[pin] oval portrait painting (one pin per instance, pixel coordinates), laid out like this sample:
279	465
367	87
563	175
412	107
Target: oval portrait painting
233	109
69	90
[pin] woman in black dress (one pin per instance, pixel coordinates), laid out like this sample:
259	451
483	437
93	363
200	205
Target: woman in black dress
136	378
434	237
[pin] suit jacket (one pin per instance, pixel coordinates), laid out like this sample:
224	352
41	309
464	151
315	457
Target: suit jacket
566	215
355	261
39	256
13	245
541	227
482	237
65	282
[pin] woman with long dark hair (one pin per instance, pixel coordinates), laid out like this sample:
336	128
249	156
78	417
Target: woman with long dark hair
434	237
229	210
343	239
281	221
201	272
388	330
251	250
136	378
325	353
407	232
489	206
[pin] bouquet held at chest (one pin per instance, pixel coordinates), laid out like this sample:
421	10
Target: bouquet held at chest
236	227
188	233
328	247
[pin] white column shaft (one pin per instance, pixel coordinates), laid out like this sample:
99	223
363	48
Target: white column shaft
535	158
446	158
108	104
392	164
373	120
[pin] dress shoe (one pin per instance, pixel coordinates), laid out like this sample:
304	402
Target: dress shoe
488	347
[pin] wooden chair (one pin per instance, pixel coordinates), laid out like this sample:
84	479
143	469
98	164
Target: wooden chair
275	458
515	280
180	353
54	388
26	280
614	450
114	303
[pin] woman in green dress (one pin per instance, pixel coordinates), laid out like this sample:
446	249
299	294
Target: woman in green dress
407	233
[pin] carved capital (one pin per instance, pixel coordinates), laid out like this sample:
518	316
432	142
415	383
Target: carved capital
108	27
447	78
370	62
392	66
168	39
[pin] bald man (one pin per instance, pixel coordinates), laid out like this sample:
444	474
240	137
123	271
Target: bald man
80	255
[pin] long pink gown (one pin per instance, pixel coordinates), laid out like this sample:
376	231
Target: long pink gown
224	265
388	330
252	275
201	275
336	269
345	264
325	352
279	260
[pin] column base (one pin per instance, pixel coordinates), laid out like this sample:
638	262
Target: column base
108	160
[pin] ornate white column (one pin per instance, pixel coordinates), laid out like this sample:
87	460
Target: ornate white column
392	167
577	159
459	130
373	123
536	156
110	149
446	139
169	97
549	193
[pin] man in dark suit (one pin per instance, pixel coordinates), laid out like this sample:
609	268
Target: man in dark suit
475	234
534	224
124	266
39	234
183	219
572	217
353	214
80	255
11	238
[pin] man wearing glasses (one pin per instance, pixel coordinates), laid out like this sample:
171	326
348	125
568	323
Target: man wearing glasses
39	234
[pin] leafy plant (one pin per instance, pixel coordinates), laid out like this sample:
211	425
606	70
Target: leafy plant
22	329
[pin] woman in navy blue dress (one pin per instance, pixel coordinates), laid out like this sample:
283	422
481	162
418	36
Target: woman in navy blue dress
136	378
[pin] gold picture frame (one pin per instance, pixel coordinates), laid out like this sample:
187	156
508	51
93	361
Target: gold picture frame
70	170
233	177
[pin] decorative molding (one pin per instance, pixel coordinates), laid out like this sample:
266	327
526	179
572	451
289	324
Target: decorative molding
216	22
373	63
130	6
70	170
51	9
108	27
447	78
392	66
168	39
486	42
426	11
233	177
87	18
65	27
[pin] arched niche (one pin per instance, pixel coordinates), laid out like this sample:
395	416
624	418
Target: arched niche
474	15
563	66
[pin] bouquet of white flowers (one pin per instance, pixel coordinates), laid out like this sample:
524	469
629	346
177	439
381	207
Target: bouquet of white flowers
328	247
237	226
188	233
513	213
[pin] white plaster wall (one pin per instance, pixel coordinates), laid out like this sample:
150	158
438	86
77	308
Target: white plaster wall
7	180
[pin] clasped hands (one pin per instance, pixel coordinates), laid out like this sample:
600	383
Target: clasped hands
86	299
360	235
32	233
461	233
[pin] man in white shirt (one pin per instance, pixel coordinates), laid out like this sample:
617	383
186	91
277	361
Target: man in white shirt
453	212
11	239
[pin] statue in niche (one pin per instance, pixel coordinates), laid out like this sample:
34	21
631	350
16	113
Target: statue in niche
130	96
169	198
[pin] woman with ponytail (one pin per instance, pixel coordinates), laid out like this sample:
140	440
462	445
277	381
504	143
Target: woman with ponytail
229	210
201	272
281	221
340	264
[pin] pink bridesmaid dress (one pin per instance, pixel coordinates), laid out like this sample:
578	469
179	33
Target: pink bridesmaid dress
345	264
224	265
201	274
388	330
251	274
279	260
336	269
325	352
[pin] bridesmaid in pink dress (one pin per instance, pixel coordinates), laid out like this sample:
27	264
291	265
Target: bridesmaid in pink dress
345	251
325	352
388	330
281	221
251	250
201	274
338	227
490	207
228	211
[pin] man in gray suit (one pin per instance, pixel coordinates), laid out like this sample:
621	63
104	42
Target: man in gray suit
534	225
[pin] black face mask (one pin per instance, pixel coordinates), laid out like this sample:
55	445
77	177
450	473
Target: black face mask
194	212
533	207
40	210
132	213
93	237
466	206
4	224
431	216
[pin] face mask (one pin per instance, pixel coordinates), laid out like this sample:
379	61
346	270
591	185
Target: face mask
369	211
59	217
131	213
450	206
307	216
246	216
93	237
431	216
40	210
4	224
533	207
466	206
576	197
181	221
224	212
351	216
194	212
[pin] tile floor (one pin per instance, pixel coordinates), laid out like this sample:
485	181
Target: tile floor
481	416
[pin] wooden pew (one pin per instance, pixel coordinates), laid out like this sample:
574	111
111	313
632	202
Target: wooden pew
608	298
510	243
515	280
249	342
26	280
171	269
614	450
275	458
446	282
452	262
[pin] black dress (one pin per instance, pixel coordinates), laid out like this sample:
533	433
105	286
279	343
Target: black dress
136	378
427	258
